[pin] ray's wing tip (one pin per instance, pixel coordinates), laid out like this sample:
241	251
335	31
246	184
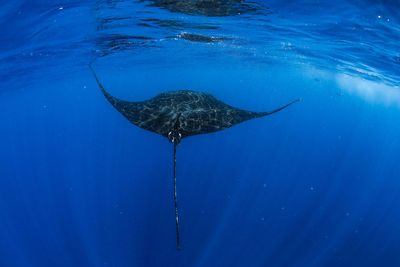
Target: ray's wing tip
295	101
91	62
91	67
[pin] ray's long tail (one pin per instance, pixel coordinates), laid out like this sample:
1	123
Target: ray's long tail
176	204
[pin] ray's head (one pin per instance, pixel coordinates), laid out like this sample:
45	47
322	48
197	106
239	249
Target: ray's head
174	136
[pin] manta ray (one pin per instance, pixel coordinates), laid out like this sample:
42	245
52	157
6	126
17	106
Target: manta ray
180	114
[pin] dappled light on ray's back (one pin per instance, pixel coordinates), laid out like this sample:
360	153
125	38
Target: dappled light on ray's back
315	184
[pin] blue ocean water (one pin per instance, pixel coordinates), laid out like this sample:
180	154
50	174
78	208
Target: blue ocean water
316	184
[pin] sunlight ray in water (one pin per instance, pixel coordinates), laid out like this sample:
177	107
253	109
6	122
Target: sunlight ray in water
372	91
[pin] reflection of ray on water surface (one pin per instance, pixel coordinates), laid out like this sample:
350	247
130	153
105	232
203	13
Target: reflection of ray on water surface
112	43
211	8
200	38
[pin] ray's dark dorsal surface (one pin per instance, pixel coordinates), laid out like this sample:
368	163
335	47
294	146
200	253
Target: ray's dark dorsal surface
183	113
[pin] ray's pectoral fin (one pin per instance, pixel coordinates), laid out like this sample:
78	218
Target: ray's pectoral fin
117	103
109	97
239	115
131	110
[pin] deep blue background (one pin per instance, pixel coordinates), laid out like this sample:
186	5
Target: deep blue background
314	185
